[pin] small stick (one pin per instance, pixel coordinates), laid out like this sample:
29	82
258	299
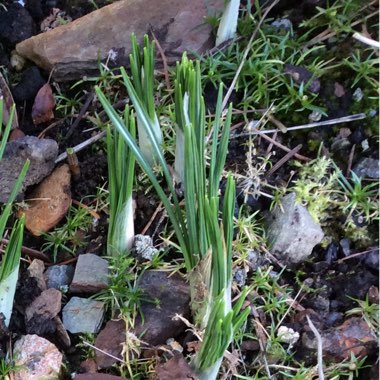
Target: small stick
73	162
30	252
319	348
93	213
339	120
260	332
284	159
283	147
164	61
354	255
366	40
83	110
51	126
81	146
158	209
277	123
270	146
68	261
104	352
350	158
292	304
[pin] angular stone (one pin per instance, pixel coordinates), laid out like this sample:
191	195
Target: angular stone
73	49
49	202
36	270
367	167
61	333
82	315
110	340
40	314
163	297
143	248
41	153
36	359
91	274
292	231
59	276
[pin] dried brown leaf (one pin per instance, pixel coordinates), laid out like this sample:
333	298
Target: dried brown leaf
175	369
43	106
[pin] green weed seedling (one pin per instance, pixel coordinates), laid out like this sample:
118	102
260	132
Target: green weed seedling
71	235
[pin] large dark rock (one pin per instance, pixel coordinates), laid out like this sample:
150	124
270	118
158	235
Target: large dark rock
16	24
162	298
31	81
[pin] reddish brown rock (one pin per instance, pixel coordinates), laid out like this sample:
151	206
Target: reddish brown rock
49	202
97	376
73	49
353	336
110	340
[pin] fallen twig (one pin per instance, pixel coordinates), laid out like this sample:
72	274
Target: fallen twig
164	61
339	120
31	252
83	110
354	255
283	160
81	146
279	145
366	40
319	348
104	352
350	158
158	209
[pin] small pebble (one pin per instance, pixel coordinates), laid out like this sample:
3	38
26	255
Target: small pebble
334	318
345	247
331	253
283	23
358	94
371	260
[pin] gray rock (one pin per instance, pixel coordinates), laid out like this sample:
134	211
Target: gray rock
240	276
345	247
91	274
292	232
282	23
143	248
82	315
59	276
367	167
36	359
41	153
178	24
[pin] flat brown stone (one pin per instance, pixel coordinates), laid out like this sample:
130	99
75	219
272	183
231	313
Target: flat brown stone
50	202
73	49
